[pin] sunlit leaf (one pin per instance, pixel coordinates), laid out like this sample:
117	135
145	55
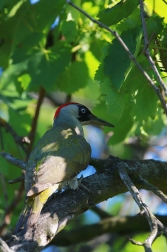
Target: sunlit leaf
117	60
75	77
118	12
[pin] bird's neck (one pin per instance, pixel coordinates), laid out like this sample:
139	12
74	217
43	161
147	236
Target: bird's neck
69	122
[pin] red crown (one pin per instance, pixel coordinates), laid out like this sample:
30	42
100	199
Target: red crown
62	106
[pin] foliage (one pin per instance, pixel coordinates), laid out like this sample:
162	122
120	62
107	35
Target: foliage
51	45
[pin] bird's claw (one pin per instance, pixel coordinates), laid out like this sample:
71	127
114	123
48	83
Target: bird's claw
82	186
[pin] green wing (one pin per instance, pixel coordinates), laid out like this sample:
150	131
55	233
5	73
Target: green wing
58	156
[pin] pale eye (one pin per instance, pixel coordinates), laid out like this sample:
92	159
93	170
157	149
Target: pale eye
83	110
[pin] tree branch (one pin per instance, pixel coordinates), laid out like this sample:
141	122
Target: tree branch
155	226
154	189
104	184
12	160
18	139
147	51
118	224
131	56
16	180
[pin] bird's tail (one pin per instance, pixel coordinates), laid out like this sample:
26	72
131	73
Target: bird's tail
33	208
23	218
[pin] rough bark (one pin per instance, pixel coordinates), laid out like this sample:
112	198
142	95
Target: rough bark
104	184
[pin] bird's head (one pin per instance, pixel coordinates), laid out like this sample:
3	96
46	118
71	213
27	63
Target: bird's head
81	113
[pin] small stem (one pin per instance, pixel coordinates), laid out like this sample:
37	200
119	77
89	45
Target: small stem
12	160
154	189
17	180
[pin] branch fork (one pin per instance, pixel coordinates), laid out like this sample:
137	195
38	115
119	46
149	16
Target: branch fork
156	227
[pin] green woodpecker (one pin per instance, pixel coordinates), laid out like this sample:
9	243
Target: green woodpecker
58	157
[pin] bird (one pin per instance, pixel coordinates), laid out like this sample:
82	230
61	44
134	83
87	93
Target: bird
58	157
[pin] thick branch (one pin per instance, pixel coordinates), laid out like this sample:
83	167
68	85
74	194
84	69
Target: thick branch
118	224
61	208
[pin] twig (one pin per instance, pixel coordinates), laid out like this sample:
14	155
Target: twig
131	56
35	119
13	160
154	189
135	242
17	180
146	49
154	223
18	139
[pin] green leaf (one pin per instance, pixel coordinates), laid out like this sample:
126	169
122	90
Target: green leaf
154	127
117	61
23	126
45	12
46	66
10	76
24	79
72	11
99	75
36	18
164	37
101	111
30	45
118	106
145	103
75	77
7	27
130	22
69	30
115	100
118	12
143	95
2	4
123	127
154	25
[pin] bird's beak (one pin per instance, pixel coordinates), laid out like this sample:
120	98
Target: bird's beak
99	122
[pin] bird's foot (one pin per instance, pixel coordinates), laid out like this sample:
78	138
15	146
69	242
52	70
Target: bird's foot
82	186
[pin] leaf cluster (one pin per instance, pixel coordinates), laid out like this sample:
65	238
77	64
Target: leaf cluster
51	46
